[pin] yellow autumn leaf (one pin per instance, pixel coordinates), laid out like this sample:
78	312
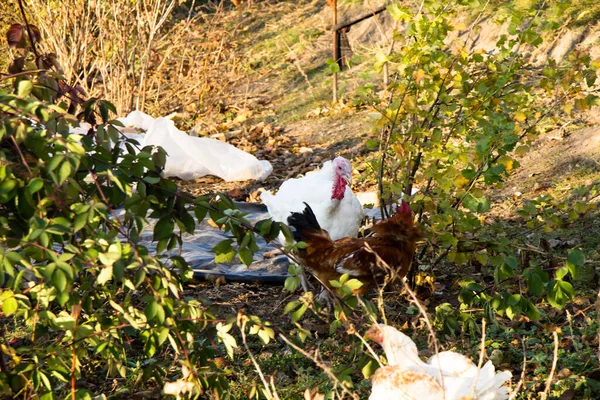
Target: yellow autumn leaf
507	162
520	116
568	108
460	182
399	148
521	151
419	75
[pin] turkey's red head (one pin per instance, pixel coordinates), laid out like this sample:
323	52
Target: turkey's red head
375	334
405	212
342	172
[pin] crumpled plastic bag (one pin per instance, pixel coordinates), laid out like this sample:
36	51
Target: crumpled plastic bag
192	157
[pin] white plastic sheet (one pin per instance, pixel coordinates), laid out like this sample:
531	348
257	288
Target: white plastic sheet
191	157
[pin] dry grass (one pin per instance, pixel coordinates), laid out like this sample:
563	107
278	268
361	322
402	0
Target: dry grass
146	55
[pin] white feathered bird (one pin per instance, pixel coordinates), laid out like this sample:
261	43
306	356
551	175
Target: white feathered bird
454	374
327	192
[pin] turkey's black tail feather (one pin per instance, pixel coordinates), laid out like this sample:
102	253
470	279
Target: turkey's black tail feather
303	222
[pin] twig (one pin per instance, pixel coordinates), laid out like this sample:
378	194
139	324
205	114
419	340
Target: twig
570	320
31	39
28	72
75	311
522	380
383	148
21	154
598	317
544	395
368	346
242	320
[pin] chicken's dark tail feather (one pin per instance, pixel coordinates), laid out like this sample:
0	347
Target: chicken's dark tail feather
302	222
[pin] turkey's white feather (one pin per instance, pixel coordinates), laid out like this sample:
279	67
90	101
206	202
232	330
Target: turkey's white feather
394	383
341	218
457	374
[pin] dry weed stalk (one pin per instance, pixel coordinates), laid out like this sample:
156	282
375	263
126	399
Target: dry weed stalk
315	358
270	389
544	395
521	382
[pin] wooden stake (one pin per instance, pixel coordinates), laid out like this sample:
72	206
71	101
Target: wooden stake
336	47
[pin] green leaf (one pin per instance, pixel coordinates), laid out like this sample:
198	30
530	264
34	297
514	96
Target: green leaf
83	394
291	283
64	172
160	314
372	144
511	262
47	385
333	65
228	340
140	276
245	256
369	369
151	310
510	312
398	12
266	335
521	150
296	315
354	284
475	287
163	335
535	284
224	252
559	293
575	259
105	275
35	185
291	306
59	280
24	88
65	322
7	186
163	229
335	284
200	212
513	300
561	273
532	312
10	306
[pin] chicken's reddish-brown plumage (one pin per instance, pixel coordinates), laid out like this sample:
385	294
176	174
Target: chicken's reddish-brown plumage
393	240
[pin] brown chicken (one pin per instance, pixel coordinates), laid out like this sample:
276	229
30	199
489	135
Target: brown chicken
394	241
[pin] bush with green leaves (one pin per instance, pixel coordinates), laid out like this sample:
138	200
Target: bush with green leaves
453	121
81	296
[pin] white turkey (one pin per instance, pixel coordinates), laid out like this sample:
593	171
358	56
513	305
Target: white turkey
327	192
454	373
